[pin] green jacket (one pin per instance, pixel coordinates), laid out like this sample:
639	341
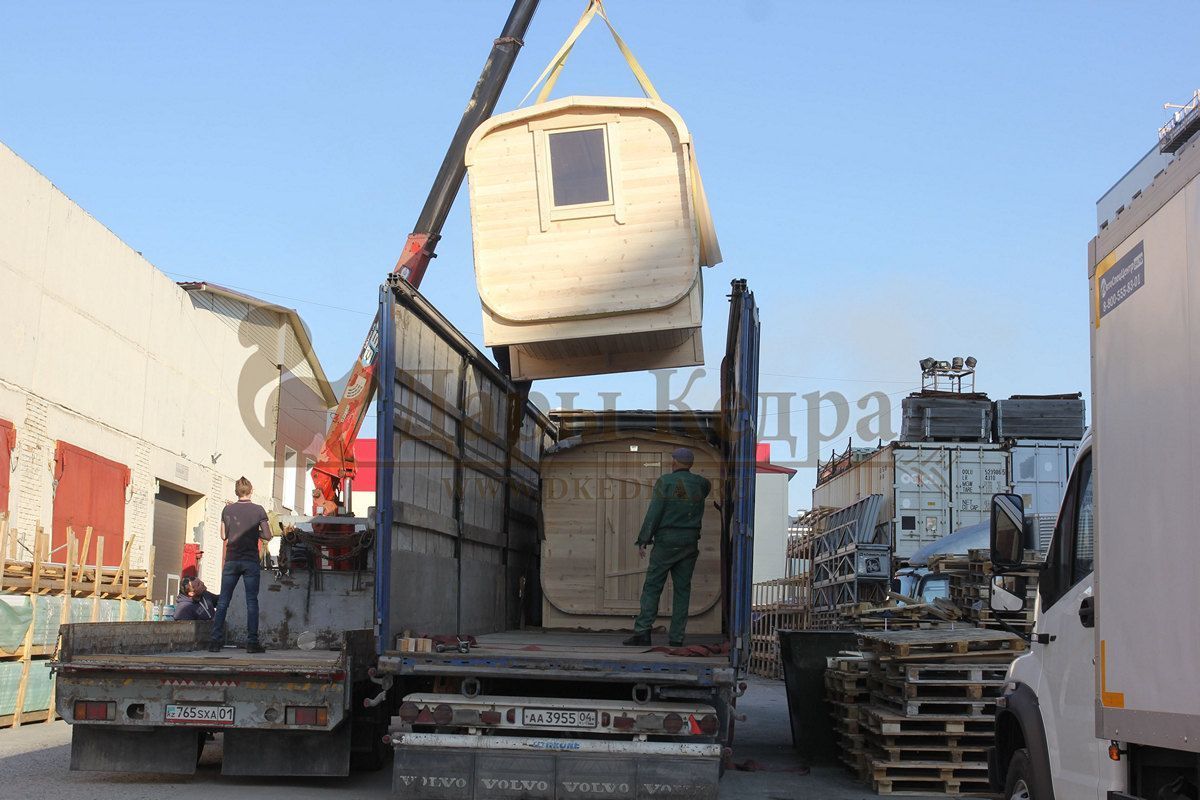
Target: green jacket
678	504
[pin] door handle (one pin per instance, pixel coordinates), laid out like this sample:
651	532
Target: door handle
1087	612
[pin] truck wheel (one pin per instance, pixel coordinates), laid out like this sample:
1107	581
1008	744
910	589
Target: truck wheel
1016	787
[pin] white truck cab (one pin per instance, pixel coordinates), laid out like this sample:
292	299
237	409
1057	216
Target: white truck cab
1046	745
1107	702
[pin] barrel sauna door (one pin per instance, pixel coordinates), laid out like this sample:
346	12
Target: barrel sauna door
626	491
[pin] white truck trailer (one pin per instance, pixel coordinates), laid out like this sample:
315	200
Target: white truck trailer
1107	702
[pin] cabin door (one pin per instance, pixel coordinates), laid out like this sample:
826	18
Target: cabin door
626	489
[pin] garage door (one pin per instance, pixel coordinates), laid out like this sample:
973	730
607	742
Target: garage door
89	491
170	529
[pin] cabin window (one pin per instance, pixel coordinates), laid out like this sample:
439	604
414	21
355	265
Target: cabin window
579	167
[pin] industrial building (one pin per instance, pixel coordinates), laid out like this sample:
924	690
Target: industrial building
134	414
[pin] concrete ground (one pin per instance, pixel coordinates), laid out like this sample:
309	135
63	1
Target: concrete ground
35	760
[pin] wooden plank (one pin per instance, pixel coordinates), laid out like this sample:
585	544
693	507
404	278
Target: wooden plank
82	555
95	589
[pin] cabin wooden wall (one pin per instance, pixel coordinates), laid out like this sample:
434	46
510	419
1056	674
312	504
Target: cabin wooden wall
594	498
613	290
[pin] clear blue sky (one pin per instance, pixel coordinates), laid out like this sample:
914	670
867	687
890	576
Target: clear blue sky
895	180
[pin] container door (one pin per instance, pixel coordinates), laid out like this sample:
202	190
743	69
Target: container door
739	412
624	572
978	473
1038	471
922	488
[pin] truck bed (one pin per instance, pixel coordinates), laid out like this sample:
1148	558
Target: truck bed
566	654
144	647
289	661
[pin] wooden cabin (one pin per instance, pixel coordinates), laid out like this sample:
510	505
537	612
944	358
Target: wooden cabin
590	228
594	497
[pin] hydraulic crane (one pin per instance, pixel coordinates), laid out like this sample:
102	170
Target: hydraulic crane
335	464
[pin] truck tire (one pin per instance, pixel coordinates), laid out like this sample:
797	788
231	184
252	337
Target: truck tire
1016	786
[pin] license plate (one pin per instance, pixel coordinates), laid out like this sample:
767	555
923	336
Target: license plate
558	718
199	715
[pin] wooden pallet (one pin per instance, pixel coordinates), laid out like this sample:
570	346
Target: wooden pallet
926	690
926	777
974	752
888	721
939	706
947	674
943	643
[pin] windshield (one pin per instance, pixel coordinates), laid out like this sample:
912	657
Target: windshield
934	588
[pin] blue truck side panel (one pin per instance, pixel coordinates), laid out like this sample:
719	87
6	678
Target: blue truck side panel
739	399
385	456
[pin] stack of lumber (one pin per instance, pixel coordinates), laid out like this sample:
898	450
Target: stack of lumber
37	595
847	692
778	605
931	708
971	590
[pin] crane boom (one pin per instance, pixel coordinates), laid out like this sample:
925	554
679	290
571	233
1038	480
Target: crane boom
336	460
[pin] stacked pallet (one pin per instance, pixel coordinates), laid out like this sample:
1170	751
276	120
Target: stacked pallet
847	693
777	606
37	595
971	590
931	709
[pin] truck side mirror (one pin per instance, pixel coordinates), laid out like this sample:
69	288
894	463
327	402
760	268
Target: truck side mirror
1008	532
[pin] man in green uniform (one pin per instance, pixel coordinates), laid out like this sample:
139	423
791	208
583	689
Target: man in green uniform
673	526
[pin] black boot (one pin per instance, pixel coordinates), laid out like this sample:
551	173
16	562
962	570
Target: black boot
638	640
214	648
255	647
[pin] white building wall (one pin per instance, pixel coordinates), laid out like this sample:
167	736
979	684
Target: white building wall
770	525
107	353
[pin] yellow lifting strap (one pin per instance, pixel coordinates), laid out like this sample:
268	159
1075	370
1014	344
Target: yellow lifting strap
555	67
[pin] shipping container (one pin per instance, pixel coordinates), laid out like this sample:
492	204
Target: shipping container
929	490
1038	471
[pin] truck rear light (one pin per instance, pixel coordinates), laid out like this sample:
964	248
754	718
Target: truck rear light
605	719
409	712
672	723
307	715
708	725
443	714
623	723
511	716
95	710
489	717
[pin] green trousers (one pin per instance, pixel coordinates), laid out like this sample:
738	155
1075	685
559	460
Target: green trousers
674	553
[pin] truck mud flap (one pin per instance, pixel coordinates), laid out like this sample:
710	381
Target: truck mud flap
448	767
108	748
292	753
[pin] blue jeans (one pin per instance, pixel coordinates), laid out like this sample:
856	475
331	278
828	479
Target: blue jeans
230	575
